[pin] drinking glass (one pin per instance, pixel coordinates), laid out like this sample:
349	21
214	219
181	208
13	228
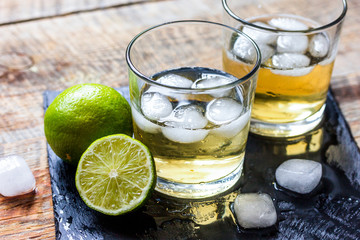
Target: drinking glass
192	115
298	41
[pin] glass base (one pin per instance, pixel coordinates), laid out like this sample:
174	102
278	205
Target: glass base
200	190
287	129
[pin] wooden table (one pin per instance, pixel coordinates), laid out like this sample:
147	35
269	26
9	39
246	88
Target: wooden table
66	42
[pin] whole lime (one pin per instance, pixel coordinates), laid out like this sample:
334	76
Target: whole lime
82	114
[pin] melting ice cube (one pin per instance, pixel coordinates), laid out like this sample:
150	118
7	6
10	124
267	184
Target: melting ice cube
293	72
185	124
291	64
292	43
299	175
290	61
154	105
214	81
223	110
266	52
174	80
319	46
285	23
184	135
254	210
171	80
16	177
260	36
143	123
244	50
233	128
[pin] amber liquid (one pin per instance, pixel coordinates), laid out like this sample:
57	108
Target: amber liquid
205	161
281	98
211	158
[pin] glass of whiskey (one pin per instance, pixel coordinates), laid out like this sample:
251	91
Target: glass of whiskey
298	41
192	115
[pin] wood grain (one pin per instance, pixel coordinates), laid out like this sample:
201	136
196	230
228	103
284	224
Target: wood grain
21	11
74	47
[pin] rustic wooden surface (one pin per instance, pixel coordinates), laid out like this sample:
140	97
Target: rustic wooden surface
62	43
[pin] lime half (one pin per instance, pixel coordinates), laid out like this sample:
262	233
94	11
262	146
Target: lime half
115	175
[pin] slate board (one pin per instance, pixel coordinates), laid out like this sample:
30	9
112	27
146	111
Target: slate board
332	211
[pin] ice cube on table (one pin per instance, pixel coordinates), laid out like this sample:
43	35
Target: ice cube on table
16	177
185	124
255	210
292	43
286	23
223	110
299	175
260	36
290	61
214	81
143	123
233	128
318	46
155	105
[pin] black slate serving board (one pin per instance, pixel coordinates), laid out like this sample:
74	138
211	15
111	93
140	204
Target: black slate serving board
331	211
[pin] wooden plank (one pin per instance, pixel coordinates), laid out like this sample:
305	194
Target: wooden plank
30	215
90	47
17	10
85	47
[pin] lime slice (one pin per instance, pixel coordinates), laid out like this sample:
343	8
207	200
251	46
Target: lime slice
115	175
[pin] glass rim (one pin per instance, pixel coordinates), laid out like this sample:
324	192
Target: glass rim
312	30
148	79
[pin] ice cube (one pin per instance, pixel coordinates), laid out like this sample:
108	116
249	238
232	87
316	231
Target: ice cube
143	123
285	23
214	81
299	175
223	110
266	52
16	177
319	46
290	61
155	105
255	210
210	82
260	36
296	72
233	128
185	124
184	135
244	50
330	57
174	80
171	80
292	43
